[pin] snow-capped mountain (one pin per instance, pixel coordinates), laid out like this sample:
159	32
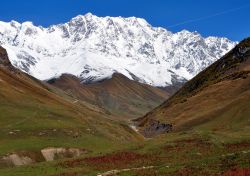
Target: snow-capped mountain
93	48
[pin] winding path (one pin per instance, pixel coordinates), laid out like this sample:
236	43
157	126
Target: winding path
124	170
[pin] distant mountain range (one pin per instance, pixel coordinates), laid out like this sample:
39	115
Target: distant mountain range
93	48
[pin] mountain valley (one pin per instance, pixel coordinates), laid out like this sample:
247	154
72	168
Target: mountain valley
107	96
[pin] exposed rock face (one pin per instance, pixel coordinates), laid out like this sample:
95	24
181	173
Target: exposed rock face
4	59
47	154
155	127
52	153
16	160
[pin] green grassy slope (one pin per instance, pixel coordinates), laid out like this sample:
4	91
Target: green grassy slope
174	154
34	115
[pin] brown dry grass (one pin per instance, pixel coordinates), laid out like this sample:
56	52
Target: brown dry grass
120	96
216	99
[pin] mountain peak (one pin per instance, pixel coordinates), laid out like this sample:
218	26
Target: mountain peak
89	14
15	23
27	23
93	48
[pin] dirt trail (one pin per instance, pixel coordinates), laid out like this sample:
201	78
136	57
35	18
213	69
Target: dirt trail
124	170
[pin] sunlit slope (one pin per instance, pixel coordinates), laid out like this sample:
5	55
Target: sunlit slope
35	115
216	99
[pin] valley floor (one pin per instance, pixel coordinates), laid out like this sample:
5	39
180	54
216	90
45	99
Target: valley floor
175	154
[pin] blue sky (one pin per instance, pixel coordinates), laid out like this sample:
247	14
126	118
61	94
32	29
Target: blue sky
229	18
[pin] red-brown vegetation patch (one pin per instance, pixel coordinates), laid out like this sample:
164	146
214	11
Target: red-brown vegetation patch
187	144
188	171
113	161
237	146
125	157
237	172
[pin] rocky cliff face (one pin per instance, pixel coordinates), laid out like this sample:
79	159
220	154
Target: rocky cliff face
4	60
93	48
4	57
